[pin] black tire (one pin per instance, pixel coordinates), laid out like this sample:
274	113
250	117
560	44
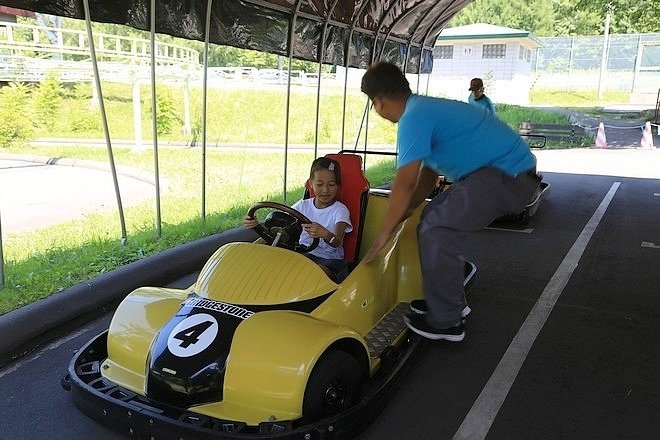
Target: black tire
65	382
333	386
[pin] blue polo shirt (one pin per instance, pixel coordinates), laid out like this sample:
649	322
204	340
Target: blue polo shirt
484	102
454	139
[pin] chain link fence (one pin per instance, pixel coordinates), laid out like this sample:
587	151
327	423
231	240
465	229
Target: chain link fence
574	63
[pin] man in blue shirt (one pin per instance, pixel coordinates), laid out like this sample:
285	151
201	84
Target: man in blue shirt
493	174
477	97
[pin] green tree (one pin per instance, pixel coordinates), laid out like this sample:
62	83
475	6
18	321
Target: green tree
47	98
639	16
570	20
536	16
563	17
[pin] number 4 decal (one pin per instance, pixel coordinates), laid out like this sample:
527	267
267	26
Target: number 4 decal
192	335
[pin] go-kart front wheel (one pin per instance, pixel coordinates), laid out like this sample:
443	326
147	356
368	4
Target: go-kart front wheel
333	386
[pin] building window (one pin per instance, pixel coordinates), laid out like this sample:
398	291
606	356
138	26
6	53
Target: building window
444	52
494	51
524	54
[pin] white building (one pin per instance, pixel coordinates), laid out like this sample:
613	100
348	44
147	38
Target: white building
499	55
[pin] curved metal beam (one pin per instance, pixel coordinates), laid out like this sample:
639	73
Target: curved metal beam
380	26
207	31
292	29
428	34
104	119
2	259
414	33
318	84
394	23
347	52
154	107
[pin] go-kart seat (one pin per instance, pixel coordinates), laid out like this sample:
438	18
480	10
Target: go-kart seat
353	192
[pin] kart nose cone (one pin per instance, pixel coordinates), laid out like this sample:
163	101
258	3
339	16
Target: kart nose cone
164	385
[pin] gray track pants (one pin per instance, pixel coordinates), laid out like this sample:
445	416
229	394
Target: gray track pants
469	205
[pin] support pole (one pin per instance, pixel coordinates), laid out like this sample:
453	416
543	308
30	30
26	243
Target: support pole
137	117
603	58
154	114
292	30
318	84
570	64
186	107
638	63
207	30
104	120
318	95
2	260
94	101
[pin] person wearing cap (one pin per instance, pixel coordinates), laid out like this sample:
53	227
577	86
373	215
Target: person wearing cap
477	97
493	173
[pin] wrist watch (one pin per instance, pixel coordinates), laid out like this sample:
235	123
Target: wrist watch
332	239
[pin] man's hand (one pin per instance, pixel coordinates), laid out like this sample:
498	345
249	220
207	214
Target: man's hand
398	207
378	244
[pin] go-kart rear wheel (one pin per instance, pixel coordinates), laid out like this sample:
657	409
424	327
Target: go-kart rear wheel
333	386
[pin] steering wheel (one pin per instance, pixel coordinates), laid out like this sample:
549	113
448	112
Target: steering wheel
283	231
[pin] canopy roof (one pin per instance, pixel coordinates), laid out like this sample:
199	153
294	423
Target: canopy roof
341	32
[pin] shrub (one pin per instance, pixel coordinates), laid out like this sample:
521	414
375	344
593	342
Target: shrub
16	124
86	122
166	116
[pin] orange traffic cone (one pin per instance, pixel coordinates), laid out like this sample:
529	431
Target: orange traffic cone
601	142
647	137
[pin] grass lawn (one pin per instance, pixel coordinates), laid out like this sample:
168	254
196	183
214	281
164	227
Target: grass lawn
54	258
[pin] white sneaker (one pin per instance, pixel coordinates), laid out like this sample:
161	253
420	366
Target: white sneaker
419	306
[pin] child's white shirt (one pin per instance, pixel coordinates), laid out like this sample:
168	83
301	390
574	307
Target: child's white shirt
328	218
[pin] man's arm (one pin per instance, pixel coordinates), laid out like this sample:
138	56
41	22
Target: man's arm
401	196
425	184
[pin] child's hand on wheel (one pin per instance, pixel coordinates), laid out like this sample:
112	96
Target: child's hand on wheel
250	222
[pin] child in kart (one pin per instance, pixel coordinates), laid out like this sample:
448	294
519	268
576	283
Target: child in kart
330	219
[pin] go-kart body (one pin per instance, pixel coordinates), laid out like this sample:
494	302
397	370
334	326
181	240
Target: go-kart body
243	352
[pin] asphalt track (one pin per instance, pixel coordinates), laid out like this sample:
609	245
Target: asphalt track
561	343
34	194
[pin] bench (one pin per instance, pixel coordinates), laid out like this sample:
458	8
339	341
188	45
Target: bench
537	135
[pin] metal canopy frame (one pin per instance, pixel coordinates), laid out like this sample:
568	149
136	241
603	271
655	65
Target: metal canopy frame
304	29
351	33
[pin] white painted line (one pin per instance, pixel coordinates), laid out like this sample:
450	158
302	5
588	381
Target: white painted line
522	231
656	194
479	419
648	244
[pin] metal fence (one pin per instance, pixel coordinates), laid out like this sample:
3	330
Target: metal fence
573	63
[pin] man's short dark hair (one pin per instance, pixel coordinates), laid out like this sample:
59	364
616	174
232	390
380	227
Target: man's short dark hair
384	79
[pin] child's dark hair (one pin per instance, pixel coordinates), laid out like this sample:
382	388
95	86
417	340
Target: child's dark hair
384	79
324	163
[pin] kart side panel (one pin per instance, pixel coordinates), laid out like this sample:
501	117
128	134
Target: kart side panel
272	356
405	244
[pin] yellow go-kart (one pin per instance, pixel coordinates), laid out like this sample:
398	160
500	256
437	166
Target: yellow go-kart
264	344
